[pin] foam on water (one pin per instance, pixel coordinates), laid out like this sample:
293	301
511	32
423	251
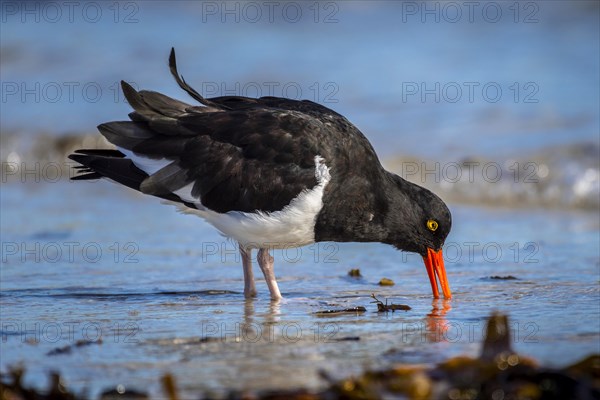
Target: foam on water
558	177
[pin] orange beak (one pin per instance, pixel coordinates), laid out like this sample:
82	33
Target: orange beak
434	262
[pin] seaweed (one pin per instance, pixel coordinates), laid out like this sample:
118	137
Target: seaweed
388	307
355	273
352	310
67	349
386	282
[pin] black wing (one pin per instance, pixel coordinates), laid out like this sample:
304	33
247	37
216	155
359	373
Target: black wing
239	154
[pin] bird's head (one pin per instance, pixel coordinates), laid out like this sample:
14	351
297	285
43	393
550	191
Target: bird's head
422	221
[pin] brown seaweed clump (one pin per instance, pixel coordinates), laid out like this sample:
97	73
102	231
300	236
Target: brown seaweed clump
499	373
355	273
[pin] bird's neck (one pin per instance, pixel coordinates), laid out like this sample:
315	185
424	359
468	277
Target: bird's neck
356	209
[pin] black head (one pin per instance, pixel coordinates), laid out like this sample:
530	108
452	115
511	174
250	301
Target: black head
419	219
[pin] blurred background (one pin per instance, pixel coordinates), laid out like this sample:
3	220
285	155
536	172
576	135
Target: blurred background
493	105
440	81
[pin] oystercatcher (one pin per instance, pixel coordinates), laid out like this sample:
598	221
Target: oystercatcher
270	173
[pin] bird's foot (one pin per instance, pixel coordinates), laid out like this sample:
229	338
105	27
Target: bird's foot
250	293
265	261
276	297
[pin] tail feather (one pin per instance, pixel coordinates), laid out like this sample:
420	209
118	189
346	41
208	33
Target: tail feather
100	152
119	169
156	117
112	164
163	105
150	105
160	112
87	177
183	84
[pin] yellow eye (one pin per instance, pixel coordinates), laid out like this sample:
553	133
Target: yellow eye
432	225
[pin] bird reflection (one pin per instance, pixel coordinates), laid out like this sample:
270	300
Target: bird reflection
437	326
260	326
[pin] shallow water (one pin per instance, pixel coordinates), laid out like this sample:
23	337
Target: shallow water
163	292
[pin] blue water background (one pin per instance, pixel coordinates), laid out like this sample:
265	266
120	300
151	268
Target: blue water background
364	58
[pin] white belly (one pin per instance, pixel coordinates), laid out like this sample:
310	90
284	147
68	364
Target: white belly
293	226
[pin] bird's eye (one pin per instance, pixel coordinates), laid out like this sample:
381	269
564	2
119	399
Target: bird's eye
432	225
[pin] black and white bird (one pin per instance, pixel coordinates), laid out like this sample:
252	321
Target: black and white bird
270	173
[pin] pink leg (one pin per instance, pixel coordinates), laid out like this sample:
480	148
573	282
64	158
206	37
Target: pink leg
266	263
249	288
